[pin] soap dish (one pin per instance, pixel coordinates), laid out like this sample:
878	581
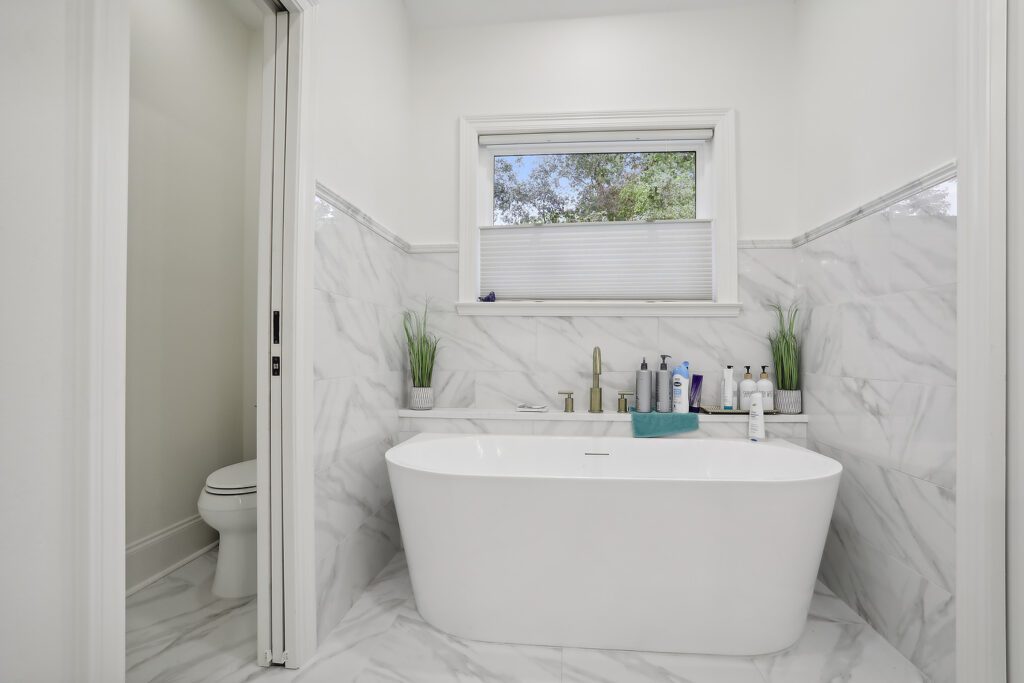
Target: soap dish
719	410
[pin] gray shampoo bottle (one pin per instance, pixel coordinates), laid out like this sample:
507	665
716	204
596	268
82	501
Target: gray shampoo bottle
643	389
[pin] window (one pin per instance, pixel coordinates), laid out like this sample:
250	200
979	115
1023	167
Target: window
606	214
585	187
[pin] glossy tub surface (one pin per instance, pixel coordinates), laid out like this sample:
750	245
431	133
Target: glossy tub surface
676	545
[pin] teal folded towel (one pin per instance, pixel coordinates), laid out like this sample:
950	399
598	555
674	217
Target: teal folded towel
647	425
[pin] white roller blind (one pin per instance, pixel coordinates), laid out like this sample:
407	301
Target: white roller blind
691	134
665	260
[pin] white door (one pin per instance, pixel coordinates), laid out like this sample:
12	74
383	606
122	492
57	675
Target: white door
272	352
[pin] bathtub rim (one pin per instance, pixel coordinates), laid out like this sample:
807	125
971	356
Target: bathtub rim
441	436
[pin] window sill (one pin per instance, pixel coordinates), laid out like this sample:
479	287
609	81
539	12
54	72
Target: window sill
649	309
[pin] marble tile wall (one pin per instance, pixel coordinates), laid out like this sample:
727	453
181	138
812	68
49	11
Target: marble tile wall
359	366
878	298
497	362
880	392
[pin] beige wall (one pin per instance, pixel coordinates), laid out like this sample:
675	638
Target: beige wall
191	267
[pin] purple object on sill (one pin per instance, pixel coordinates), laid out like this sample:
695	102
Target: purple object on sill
695	383
489	298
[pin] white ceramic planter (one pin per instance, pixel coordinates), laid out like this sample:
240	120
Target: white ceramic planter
788	401
421	398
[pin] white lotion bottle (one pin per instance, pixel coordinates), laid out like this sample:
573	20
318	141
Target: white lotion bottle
681	388
728	388
755	423
747	387
764	385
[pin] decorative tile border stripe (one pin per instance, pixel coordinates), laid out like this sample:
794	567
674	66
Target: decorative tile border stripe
939	175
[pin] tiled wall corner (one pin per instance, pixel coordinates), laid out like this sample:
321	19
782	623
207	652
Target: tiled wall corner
880	391
359	377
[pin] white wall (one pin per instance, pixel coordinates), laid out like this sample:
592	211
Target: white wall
739	57
190	272
39	442
364	102
876	90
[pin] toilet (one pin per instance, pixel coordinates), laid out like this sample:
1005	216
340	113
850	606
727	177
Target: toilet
228	504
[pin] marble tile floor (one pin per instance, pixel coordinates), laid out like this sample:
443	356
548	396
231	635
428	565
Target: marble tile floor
178	631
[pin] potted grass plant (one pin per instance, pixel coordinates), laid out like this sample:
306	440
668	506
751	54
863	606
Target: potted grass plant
786	356
422	354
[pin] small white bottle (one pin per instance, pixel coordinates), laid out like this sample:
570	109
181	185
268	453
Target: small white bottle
764	385
755	423
728	388
747	387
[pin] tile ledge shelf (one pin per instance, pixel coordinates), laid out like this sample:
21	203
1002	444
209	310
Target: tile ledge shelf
556	415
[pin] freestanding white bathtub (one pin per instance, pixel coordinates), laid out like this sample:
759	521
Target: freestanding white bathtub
670	545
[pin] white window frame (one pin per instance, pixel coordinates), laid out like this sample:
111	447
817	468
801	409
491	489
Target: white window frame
716	199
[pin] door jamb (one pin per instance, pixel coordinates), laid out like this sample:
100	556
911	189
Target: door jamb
101	177
981	646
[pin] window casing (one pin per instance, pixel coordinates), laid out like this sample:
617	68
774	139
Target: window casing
633	267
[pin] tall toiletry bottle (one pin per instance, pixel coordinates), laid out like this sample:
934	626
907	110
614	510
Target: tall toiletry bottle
755	423
663	386
643	389
728	388
747	387
764	385
681	388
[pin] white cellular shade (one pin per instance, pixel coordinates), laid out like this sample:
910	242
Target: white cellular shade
693	134
664	260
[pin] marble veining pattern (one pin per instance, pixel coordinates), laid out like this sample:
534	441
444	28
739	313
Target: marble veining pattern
179	632
359	373
496	362
878	297
879	362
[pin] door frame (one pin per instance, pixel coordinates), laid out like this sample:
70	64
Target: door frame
101	179
294	586
981	524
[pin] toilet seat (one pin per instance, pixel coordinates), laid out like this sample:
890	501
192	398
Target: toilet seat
233	480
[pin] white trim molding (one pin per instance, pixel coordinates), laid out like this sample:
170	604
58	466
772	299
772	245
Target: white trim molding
723	204
100	198
945	172
337	201
298	480
622	309
132	590
981	652
158	554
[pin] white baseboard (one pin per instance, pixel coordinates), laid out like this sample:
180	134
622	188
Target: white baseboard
154	556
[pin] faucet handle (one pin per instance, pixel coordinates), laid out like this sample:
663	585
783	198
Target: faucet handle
568	401
623	403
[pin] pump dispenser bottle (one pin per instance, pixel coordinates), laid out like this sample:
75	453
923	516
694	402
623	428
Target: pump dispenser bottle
663	386
643	388
764	385
747	387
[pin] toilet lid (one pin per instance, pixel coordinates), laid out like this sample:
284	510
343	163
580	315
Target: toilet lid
235	479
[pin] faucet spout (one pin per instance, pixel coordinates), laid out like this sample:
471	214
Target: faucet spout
595	390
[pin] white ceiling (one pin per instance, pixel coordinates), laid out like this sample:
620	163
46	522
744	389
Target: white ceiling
461	12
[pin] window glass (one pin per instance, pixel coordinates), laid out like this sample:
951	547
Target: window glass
594	187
